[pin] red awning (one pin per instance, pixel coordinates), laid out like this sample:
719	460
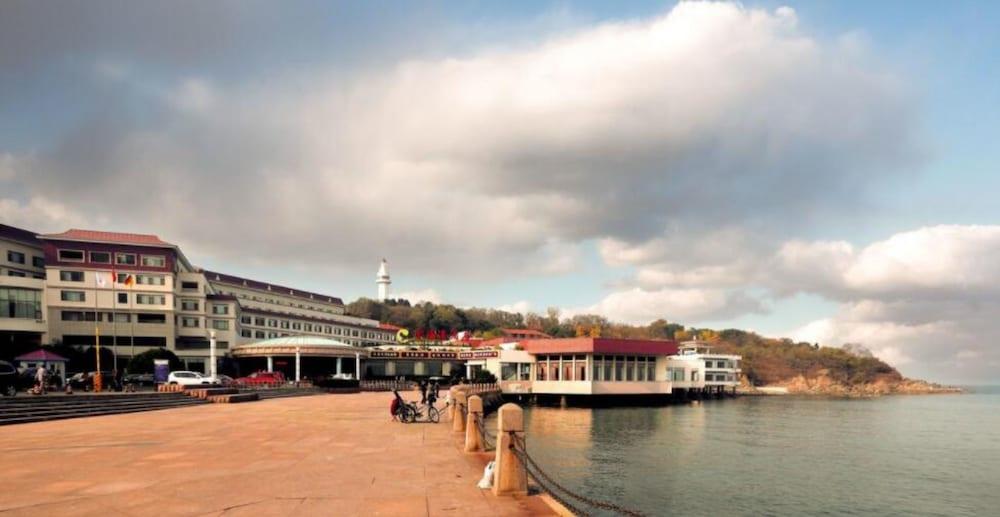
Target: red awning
41	355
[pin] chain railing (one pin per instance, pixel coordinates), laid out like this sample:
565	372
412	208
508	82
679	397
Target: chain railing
489	440
559	492
385	385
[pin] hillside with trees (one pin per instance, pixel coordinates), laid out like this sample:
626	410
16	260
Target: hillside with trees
801	367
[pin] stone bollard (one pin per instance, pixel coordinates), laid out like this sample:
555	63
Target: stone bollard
510	476
461	404
473	440
452	393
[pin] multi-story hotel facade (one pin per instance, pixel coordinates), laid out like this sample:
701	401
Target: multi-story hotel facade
138	293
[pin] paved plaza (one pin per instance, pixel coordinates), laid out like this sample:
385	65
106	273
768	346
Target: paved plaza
319	455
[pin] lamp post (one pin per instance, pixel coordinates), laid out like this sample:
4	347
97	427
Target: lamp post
298	363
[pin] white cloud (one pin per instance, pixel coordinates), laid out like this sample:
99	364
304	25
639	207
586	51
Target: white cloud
418	296
521	306
639	306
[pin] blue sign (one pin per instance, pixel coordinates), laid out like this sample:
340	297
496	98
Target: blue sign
161	369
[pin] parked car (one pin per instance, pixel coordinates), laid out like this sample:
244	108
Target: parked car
186	378
84	381
261	378
10	380
225	380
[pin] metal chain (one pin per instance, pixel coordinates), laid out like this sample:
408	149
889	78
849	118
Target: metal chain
489	441
518	446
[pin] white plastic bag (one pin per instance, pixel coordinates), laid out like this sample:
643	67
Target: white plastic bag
487	481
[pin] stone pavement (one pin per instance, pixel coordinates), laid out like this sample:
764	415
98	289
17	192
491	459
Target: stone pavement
319	455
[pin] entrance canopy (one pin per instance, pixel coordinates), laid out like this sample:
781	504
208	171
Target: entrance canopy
308	346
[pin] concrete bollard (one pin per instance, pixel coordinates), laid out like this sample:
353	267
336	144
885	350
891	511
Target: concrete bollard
473	439
510	477
452	393
461	404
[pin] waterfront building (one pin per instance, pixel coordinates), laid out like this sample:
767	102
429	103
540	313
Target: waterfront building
697	367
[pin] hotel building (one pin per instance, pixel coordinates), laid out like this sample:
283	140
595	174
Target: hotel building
141	293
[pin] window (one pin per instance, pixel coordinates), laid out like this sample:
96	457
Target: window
16	302
150	299
70	255
220	309
38	261
71	276
284	324
336	331
78	316
100	257
125	259
246	333
581	367
619	368
15	257
154	261
122	297
258	334
73	296
328	329
260	322
189	305
150	279
309	327
118	317
190	322
272	323
150	318
189	286
246	320
16	273
540	368
694	375
220	324
651	369
296	326
272	335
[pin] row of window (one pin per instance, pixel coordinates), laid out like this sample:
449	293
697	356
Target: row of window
189	322
22	274
77	276
607	368
113	317
310	327
719	377
140	298
121	259
279	301
20	303
193	305
721	364
260	334
16	257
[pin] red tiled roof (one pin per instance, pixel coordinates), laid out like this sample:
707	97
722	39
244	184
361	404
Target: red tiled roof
75	234
600	345
388	326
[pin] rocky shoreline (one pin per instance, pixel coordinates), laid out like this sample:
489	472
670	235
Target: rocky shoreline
823	385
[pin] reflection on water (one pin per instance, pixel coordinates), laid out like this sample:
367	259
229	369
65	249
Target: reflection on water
932	455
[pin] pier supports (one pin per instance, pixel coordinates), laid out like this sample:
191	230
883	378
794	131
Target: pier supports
510	476
473	439
461	404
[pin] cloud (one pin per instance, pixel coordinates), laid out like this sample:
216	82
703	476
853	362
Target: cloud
418	296
643	135
521	306
639	306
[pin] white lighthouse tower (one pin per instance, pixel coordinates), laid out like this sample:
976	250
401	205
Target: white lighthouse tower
382	279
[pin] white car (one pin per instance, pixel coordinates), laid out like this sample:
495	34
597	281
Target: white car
185	378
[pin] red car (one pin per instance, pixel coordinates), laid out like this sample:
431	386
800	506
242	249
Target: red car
262	378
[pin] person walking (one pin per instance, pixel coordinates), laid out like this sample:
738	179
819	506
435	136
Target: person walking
423	391
40	379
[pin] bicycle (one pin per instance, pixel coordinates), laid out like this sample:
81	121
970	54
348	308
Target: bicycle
409	412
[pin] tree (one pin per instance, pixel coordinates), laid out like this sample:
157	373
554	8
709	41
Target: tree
143	363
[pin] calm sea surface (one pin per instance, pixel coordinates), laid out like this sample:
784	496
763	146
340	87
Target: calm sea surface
902	455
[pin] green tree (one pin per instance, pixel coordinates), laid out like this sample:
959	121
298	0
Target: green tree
143	363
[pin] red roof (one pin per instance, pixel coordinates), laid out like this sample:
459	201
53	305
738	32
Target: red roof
141	239
525	332
600	345
41	355
388	326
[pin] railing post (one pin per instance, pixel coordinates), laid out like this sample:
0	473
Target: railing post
510	476
461	403
452	393
473	439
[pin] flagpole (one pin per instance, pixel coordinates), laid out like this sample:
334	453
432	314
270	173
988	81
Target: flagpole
131	319
114	317
97	341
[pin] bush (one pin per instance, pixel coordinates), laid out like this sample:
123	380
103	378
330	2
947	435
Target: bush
484	376
143	363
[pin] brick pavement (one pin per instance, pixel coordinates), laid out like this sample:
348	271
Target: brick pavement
319	455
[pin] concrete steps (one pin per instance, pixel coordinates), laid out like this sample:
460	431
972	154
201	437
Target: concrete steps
288	392
25	409
233	398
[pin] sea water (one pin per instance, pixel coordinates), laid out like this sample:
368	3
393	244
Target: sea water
782	455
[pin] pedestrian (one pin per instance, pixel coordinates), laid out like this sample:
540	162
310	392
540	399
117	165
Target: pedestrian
423	391
40	378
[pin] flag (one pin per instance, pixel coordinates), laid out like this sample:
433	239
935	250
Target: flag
129	280
100	279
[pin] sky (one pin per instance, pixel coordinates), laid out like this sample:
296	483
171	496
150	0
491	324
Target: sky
825	171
